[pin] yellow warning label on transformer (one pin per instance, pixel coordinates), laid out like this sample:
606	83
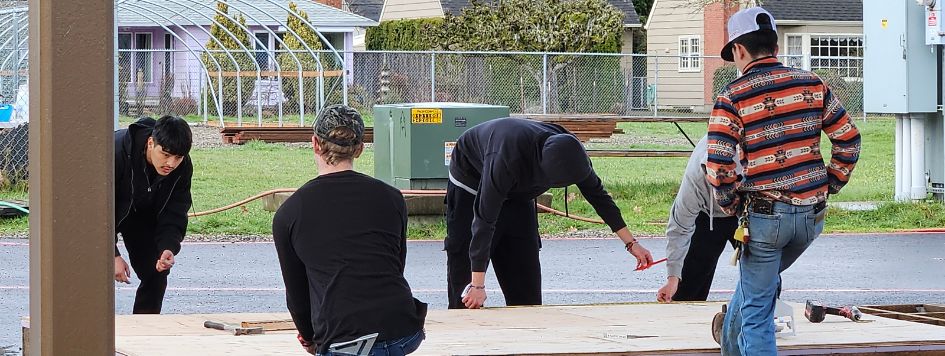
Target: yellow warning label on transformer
426	116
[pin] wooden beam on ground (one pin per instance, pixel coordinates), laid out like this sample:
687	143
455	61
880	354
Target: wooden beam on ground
638	153
11	73
270	325
909	313
244	134
285	74
71	180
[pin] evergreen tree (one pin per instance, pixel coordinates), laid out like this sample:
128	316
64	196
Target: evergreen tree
247	63
290	68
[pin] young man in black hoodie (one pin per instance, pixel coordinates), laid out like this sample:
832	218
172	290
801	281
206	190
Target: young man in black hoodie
152	197
497	170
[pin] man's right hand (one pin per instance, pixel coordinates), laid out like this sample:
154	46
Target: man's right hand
665	294
475	298
122	271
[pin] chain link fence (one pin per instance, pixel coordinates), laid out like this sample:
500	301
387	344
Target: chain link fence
561	83
282	88
228	88
14	93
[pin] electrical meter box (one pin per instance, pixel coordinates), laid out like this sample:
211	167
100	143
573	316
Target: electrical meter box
899	68
413	142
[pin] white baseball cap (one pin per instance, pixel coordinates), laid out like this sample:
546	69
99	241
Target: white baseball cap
744	22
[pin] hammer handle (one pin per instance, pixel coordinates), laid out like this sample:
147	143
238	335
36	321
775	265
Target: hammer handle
214	325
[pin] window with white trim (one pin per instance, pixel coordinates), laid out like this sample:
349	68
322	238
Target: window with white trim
168	53
842	53
135	56
125	56
795	51
261	47
143	61
690	54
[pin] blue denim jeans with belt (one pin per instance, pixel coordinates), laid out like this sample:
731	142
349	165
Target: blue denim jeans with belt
397	347
776	241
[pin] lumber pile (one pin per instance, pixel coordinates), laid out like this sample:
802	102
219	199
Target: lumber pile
587	129
639	153
241	135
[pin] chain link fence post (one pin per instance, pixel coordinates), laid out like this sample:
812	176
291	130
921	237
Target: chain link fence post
544	83
433	76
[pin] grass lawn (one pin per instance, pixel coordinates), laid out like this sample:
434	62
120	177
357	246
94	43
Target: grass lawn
644	188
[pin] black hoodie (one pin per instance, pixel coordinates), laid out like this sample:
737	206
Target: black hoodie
166	212
501	159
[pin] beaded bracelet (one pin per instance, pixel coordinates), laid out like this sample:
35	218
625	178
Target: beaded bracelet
629	245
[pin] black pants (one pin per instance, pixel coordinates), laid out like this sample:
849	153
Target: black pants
143	255
514	253
704	251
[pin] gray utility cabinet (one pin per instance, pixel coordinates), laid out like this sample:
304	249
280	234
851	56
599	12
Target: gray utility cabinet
899	71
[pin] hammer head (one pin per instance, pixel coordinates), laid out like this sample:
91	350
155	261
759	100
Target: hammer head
247	331
815	311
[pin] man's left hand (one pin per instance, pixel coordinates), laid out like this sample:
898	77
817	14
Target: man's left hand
166	261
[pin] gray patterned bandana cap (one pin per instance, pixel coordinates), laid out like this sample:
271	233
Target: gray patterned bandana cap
336	116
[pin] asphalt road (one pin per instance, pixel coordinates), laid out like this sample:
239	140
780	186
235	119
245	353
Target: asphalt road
245	277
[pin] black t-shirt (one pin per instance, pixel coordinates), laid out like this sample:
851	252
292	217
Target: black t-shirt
341	240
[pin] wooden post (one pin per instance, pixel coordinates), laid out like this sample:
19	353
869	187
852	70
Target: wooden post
71	155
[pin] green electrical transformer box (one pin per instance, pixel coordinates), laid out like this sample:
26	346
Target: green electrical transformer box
413	142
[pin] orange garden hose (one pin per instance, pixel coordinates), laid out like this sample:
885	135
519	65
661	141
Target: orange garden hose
404	192
242	202
928	230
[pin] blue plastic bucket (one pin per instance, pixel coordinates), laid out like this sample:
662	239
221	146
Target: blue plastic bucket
6	111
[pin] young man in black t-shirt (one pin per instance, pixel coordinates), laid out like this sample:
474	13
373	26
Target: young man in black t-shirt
341	241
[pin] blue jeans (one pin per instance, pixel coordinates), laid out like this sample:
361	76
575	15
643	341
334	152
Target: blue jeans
776	242
397	347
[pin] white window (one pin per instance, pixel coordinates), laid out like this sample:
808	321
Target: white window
143	61
125	55
841	53
168	53
134	56
262	50
690	54
795	51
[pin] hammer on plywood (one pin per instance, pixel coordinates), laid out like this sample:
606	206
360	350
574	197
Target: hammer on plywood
235	329
816	312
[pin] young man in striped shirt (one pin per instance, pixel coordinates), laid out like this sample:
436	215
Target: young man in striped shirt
775	114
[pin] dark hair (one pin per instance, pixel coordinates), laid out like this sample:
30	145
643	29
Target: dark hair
173	134
760	43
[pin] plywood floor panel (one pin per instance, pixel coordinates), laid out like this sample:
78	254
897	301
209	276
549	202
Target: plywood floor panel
598	329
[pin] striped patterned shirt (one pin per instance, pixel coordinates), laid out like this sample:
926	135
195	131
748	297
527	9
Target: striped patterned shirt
776	114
